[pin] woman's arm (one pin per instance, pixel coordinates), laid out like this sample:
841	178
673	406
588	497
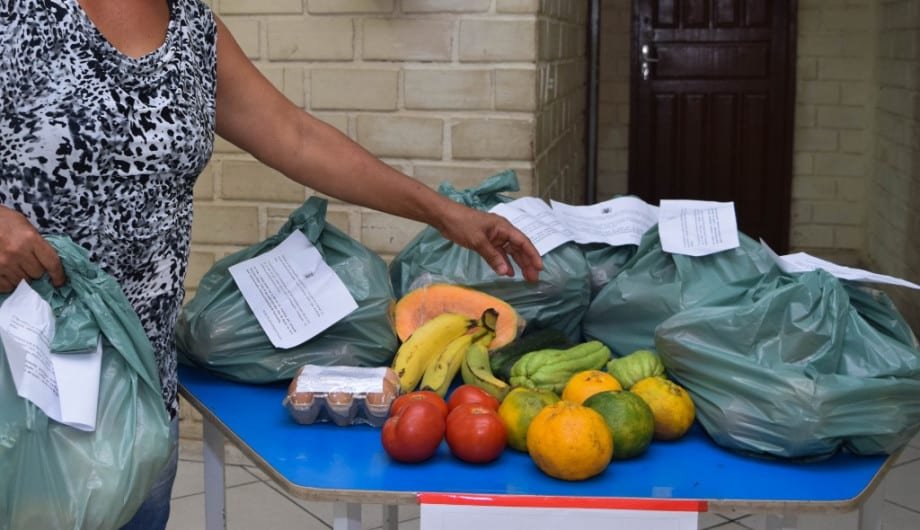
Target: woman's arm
256	117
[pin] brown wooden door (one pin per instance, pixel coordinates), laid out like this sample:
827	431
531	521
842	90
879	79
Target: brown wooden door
712	118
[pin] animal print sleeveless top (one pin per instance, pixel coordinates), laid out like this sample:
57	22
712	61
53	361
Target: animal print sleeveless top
106	148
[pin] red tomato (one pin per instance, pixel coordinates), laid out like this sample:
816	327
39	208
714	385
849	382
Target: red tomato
415	433
471	395
475	433
424	395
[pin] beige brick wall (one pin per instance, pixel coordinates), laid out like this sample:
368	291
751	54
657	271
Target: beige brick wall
613	99
893	210
561	100
833	128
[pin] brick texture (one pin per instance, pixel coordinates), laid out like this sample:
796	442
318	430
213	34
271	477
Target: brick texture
893	189
401	136
353	88
407	39
448	89
325	39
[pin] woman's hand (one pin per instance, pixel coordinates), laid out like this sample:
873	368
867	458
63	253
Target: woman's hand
24	253
494	238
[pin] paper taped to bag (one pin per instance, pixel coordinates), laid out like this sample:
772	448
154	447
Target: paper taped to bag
697	228
292	292
64	386
615	222
802	262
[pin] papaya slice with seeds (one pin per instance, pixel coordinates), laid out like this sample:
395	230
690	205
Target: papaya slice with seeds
420	305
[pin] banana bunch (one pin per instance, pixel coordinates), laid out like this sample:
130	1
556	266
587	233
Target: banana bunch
441	372
432	347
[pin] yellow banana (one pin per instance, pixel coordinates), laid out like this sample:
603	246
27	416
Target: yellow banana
441	372
431	338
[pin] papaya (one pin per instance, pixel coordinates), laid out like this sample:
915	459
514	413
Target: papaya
421	305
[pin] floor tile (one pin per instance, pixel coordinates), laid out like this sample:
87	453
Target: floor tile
371	514
898	518
186	513
902	485
190	478
908	454
718	521
257	506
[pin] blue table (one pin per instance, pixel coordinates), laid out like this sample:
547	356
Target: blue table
349	466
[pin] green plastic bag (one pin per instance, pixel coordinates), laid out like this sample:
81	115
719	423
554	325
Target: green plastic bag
558	299
797	371
218	331
55	476
605	262
655	285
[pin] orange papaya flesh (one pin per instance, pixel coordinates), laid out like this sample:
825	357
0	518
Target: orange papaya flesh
420	305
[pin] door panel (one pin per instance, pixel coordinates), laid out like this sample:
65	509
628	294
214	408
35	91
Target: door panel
712	117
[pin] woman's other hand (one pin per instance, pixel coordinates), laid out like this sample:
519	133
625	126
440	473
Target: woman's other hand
494	238
24	253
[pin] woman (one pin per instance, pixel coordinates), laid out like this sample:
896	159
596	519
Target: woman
109	109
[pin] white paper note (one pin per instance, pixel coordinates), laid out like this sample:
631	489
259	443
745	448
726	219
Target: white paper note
536	220
802	262
697	228
616	222
293	293
64	386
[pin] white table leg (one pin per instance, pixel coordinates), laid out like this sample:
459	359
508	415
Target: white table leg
215	514
390	517
346	516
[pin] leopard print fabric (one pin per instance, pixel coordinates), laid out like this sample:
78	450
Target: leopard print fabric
105	148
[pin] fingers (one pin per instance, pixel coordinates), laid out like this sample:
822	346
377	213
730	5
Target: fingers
525	255
496	257
494	238
50	262
24	253
507	240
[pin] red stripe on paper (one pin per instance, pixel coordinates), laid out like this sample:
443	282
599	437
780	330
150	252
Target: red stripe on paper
546	501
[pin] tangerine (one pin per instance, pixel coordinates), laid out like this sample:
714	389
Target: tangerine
585	384
670	403
569	441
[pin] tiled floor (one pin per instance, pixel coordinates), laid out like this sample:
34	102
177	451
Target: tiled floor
253	502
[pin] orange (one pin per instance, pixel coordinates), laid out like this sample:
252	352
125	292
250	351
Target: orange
671	406
585	384
569	441
519	408
629	419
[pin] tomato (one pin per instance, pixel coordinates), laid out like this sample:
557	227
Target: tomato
475	433
424	395
472	395
415	433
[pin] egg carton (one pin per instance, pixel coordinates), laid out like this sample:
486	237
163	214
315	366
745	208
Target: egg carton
344	395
